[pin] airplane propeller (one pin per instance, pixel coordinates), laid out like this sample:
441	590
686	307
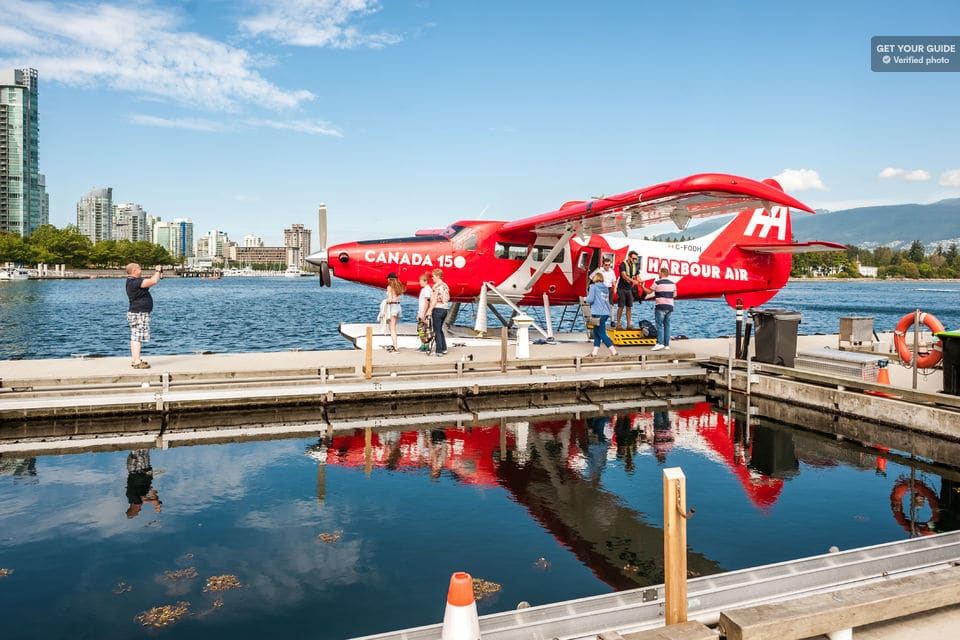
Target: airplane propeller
322	253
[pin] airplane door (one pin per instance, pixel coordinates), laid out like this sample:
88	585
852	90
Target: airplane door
589	261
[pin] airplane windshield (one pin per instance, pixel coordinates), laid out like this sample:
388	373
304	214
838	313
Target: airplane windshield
452	231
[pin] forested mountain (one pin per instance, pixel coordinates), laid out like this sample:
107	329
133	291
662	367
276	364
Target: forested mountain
895	226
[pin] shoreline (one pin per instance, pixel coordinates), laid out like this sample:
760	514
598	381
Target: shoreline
862	280
85	274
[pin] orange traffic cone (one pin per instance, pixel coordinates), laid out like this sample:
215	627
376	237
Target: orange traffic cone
460	620
883	376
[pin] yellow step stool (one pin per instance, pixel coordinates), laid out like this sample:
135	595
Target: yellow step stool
630	338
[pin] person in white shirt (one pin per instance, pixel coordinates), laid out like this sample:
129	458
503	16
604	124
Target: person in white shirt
423	318
609	275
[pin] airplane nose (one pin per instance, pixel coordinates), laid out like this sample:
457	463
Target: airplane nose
317	258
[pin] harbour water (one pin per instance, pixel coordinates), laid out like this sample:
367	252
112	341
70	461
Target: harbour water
359	534
57	318
333	539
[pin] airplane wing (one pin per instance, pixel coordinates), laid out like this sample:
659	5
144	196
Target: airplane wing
698	196
797	247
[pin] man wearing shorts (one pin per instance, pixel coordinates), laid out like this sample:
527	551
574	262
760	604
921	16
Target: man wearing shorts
138	313
625	283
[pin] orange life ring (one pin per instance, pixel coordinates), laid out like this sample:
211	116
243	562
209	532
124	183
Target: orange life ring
900	489
900	342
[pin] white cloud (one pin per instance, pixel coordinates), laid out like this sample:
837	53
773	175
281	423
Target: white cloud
138	49
12	37
800	180
950	178
317	23
180	123
304	126
915	175
195	124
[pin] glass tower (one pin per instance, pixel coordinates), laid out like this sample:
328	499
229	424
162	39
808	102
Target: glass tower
21	199
95	214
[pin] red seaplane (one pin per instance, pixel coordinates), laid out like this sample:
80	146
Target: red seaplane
546	259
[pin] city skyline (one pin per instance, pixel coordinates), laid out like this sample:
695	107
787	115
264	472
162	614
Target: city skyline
99	218
408	116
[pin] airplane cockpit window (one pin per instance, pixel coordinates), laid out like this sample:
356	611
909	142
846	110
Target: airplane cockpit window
465	239
540	254
510	251
452	230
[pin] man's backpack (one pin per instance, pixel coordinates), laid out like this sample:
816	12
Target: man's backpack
648	329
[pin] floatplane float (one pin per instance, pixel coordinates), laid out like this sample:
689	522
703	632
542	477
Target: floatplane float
546	260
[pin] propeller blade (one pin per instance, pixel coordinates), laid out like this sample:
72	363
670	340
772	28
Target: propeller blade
322	226
325	275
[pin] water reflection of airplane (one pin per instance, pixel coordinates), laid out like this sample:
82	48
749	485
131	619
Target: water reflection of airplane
552	468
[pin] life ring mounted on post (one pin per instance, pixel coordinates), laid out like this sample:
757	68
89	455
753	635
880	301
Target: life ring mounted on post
929	360
920	492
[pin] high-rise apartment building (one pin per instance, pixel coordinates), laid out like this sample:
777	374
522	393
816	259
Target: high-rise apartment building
95	214
44	201
129	222
176	237
296	239
20	194
150	224
212	244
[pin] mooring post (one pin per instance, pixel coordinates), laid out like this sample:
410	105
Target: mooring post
503	349
730	357
368	361
675	545
916	345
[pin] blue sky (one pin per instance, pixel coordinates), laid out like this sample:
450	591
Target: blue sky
245	114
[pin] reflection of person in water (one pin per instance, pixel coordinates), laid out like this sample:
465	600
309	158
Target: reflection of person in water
139	479
662	435
626	441
596	451
438	452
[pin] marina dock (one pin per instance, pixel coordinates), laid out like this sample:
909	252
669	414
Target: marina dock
95	404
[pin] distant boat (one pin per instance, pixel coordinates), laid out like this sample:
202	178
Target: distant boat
293	271
14	273
235	272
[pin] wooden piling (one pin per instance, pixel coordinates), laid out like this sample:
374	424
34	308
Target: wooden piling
368	361
675	545
503	349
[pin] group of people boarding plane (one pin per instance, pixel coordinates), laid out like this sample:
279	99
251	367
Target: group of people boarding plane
629	288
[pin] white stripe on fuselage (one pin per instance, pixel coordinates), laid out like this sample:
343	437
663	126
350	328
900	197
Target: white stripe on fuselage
683	259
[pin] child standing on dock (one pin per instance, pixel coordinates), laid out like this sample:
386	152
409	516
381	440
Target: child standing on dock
139	310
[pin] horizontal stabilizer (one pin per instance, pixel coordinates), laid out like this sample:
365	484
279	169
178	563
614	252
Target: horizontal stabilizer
797	247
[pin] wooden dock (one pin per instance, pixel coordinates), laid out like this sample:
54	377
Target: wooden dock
102	403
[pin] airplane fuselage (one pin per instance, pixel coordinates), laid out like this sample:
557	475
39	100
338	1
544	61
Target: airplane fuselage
471	253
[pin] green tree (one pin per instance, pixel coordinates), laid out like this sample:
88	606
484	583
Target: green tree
915	252
104	254
882	256
60	246
952	256
13	248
